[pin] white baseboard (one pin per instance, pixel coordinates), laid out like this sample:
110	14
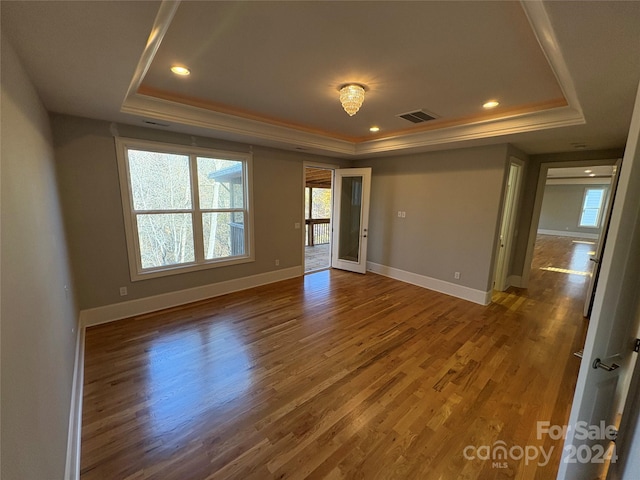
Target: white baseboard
118	311
459	291
72	466
564	233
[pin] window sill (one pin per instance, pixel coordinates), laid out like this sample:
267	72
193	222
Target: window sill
180	269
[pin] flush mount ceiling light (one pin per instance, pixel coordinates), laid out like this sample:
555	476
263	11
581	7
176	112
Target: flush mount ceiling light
178	70
351	97
491	104
588	171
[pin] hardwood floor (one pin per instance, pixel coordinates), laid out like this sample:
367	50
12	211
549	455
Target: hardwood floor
335	375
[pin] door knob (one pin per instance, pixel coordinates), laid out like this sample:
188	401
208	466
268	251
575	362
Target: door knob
609	368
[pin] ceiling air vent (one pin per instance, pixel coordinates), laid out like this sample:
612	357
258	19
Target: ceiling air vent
418	116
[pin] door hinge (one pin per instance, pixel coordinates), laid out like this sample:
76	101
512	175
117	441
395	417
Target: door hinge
636	348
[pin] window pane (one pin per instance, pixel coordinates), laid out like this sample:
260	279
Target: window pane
159	181
350	214
593	199
591	207
220	183
589	217
165	239
223	234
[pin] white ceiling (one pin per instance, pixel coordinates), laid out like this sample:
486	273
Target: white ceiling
566	73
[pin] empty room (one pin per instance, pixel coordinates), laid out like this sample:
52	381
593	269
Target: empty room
342	240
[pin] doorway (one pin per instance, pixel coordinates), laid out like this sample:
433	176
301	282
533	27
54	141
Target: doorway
318	197
570	222
570	219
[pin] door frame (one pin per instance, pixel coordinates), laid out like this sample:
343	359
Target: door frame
602	240
537	206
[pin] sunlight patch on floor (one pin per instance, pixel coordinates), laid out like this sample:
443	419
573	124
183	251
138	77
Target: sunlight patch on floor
564	270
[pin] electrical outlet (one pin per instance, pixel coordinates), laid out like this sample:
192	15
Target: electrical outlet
277	263
456	275
296	225
123	291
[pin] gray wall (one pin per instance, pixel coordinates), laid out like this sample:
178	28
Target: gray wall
88	173
452	201
562	207
38	316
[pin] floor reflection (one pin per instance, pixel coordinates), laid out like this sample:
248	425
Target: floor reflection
317	285
564	270
571	258
194	371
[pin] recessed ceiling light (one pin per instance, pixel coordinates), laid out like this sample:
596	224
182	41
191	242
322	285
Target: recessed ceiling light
491	104
374	129
178	70
588	171
592	174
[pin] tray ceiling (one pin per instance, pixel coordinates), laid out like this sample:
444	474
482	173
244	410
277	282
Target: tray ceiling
267	73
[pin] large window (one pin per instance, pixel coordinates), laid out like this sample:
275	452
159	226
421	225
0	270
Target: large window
185	208
592	207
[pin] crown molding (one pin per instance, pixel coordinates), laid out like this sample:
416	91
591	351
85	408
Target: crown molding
559	117
240	129
542	29
257	131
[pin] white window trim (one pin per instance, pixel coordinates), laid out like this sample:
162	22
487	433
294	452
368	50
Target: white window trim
133	250
602	203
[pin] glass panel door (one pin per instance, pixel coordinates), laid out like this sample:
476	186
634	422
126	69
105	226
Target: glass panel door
351	217
351	213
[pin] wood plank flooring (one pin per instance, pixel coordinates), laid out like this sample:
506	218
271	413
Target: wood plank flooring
335	375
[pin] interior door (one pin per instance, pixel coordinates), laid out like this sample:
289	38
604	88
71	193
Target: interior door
608	358
507	227
602	239
351	219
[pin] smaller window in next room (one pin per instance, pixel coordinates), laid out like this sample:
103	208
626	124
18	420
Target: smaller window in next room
592	207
